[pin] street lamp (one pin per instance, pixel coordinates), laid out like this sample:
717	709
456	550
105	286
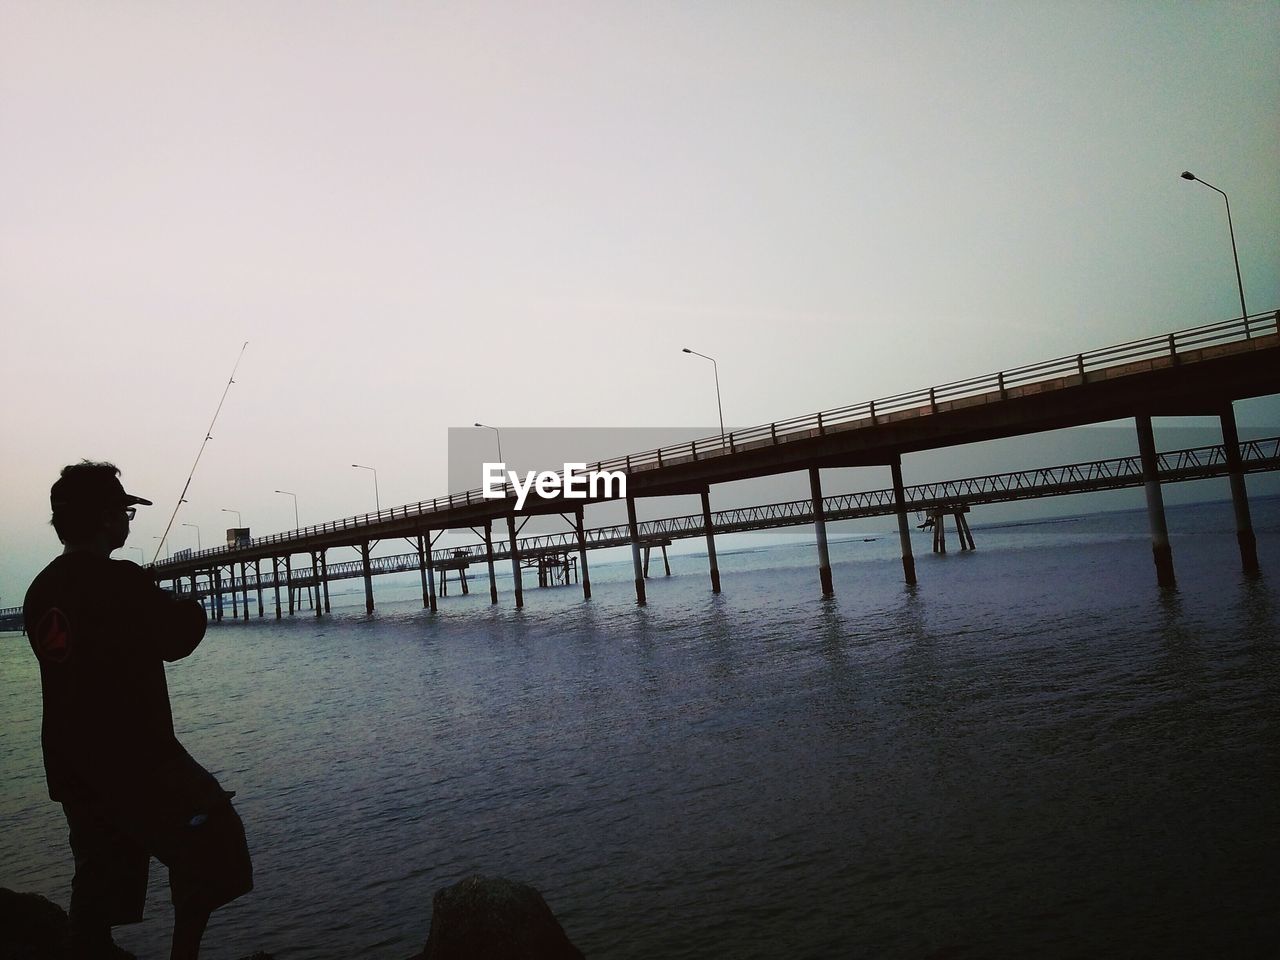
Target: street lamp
239	525
197	527
160	538
1244	313
296	524
499	436
141	554
716	370
377	502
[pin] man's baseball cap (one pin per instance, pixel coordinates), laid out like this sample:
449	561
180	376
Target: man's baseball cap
80	487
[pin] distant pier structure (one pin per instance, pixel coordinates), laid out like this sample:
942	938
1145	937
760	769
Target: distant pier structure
459	562
937	522
1200	371
556	568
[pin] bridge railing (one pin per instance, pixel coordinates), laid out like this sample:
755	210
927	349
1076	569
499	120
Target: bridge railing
913	403
928	400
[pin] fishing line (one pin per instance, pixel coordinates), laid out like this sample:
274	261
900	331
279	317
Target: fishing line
208	435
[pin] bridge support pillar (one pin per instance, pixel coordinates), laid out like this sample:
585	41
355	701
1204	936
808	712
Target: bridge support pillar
288	579
904	524
431	573
368	577
244	587
324	582
711	539
1160	549
820	527
582	553
488	555
426	569
422	570
634	528
317	577
1239	495
257	575
275	580
215	581
235	597
516	578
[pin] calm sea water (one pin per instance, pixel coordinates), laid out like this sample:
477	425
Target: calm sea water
1032	753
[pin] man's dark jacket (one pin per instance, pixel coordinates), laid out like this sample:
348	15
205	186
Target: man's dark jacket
102	630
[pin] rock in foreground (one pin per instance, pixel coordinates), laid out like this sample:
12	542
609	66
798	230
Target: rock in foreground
33	928
480	918
495	919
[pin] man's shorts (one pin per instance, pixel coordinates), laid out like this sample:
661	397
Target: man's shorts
184	819
110	883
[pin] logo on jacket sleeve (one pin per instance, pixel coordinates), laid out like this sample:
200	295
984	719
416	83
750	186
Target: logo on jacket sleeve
53	637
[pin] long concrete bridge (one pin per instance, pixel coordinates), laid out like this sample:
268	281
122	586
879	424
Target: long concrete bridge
950	498
1193	372
1197	371
936	500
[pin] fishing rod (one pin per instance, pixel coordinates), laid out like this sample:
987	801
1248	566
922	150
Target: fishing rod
208	435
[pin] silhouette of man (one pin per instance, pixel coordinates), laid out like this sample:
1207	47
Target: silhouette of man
102	629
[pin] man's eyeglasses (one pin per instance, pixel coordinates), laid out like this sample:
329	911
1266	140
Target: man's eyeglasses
130	512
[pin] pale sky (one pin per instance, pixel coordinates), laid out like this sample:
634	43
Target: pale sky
421	215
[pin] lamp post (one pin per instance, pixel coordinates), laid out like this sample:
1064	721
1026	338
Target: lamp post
1244	313
239	525
142	556
716	370
377	502
498	434
296	524
158	545
197	529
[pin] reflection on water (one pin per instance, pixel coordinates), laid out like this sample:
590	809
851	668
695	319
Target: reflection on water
1034	752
